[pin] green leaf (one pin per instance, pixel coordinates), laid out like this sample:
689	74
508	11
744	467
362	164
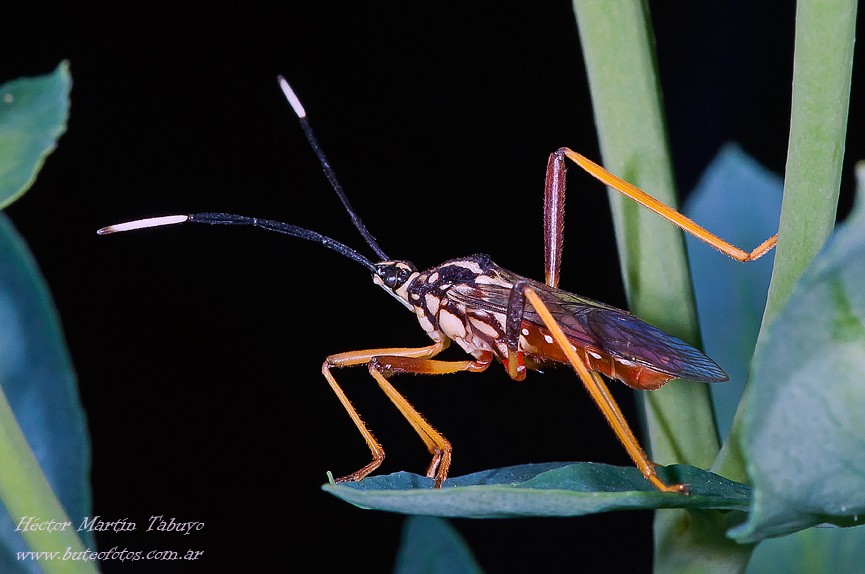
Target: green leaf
740	201
45	475
431	545
550	489
730	297
803	428
812	551
38	380
33	114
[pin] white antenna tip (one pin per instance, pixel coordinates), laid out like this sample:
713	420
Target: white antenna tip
291	97
143	223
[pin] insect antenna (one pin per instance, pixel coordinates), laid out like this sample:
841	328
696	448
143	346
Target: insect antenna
328	170
270	225
232	219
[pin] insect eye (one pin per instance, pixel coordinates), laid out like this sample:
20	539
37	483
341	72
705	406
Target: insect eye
394	276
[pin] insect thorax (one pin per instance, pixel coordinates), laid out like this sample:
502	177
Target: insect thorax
432	295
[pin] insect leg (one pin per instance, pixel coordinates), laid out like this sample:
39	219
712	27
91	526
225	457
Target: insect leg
383	367
660	208
383	363
554	218
513	325
600	393
354	358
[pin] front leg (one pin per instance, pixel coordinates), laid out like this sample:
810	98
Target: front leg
354	358
382	363
382	368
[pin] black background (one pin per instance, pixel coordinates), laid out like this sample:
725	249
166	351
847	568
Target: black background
198	350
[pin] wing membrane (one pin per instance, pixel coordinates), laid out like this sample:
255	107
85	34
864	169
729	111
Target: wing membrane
599	327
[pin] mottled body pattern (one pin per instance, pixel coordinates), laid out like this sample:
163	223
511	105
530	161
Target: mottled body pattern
466	300
492	312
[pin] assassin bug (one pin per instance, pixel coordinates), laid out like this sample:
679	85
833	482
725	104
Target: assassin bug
493	313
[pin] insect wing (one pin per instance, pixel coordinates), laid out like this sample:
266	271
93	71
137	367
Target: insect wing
624	336
601	328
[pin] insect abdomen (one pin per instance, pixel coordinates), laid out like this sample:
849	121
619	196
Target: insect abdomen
542	350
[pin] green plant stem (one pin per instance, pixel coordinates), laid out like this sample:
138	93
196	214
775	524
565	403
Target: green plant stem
616	39
618	50
25	492
822	70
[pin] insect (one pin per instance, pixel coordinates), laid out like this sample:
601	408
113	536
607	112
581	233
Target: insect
495	314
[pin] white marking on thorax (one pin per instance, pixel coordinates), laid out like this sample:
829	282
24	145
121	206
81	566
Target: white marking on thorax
425	323
451	325
493	280
432	303
483	327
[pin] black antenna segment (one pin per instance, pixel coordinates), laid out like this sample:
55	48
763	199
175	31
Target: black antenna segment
328	170
232	219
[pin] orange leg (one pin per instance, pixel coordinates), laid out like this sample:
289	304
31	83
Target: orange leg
601	395
554	218
661	209
554	213
383	363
